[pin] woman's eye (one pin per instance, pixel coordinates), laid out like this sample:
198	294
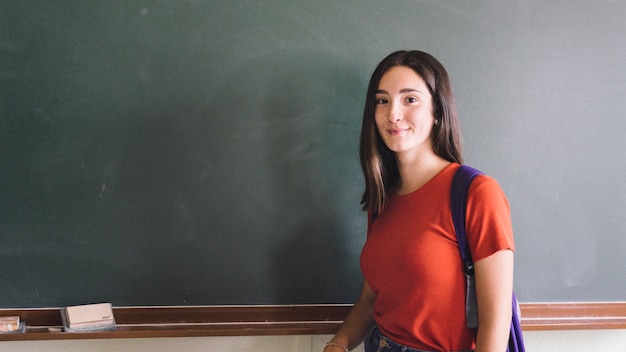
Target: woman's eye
411	100
381	101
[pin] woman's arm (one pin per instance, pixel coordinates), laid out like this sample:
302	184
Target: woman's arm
358	323
494	291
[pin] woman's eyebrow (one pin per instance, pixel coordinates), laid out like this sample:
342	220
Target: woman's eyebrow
404	90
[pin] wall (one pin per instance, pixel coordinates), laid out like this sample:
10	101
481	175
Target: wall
536	341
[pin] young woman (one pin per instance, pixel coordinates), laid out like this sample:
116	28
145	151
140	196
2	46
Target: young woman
413	295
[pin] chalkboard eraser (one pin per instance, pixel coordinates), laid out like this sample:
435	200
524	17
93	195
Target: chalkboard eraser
12	325
9	324
88	317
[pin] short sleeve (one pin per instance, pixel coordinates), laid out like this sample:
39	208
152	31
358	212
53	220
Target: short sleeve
488	219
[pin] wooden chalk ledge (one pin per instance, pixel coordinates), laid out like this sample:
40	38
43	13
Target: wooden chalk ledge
188	321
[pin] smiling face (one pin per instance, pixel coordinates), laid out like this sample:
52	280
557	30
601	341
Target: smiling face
404	111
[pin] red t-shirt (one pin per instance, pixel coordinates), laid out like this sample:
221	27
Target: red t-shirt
412	262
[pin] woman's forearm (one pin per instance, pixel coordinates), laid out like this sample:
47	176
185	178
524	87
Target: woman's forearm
357	324
494	291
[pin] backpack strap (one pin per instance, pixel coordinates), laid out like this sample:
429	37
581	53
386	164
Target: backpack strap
516	338
458	204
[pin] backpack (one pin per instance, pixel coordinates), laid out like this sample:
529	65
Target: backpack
458	201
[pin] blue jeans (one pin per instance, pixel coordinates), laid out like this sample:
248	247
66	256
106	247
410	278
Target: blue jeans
377	342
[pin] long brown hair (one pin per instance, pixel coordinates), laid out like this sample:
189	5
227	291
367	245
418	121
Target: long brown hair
377	161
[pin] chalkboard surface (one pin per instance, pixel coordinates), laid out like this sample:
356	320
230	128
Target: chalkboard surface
206	152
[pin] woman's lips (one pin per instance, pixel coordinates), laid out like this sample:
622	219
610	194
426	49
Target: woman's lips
396	131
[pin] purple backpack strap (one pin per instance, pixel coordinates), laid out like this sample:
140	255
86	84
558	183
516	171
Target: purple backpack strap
516	339
458	204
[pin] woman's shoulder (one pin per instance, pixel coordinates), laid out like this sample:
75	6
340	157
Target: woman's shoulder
482	178
486	188
487	181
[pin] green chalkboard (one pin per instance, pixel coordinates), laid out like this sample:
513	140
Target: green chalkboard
206	152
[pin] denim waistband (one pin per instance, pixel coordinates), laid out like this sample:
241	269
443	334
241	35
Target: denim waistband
377	342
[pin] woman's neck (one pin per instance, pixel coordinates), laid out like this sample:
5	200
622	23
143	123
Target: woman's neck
416	171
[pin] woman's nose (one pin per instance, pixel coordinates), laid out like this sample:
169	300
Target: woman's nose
395	114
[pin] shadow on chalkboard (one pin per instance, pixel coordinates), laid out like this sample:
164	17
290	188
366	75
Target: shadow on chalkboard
312	263
245	186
